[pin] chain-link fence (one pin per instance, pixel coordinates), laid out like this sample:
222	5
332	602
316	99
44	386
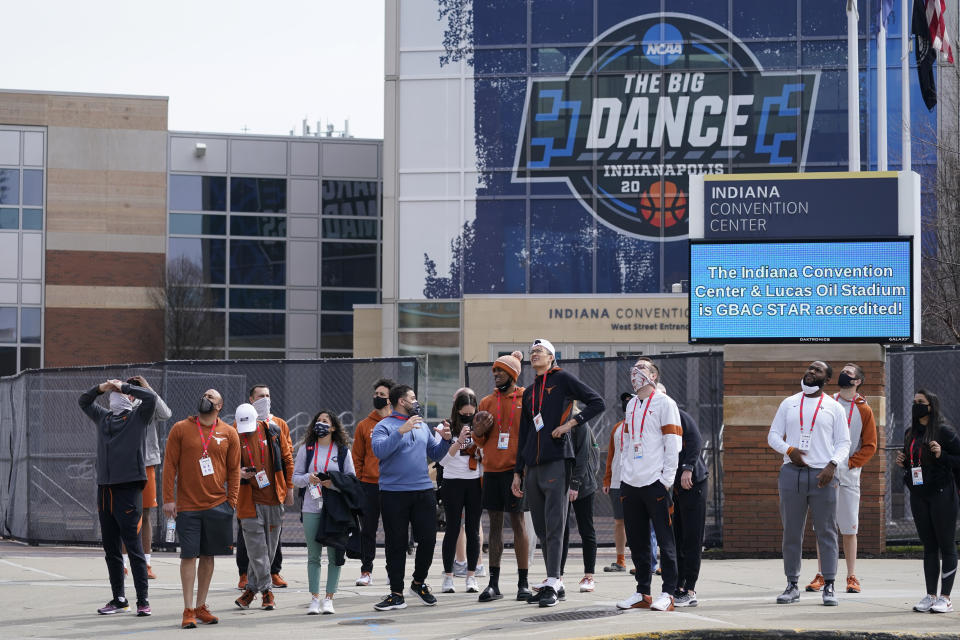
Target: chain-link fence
908	369
694	380
48	445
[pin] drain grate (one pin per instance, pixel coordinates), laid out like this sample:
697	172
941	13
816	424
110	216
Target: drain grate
359	622
587	614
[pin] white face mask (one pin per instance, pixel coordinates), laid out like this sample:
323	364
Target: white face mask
639	379
119	403
262	405
808	390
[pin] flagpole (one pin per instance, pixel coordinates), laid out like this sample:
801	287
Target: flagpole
853	88
882	98
905	13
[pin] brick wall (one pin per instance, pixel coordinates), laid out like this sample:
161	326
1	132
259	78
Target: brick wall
752	392
102	336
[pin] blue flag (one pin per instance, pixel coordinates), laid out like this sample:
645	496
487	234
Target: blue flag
884	9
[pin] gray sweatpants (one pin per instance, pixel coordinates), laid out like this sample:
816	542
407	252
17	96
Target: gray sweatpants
798	491
261	535
545	489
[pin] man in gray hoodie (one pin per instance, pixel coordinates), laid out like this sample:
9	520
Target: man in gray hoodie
121	474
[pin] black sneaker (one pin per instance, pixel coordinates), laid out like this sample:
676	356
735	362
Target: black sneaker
523	593
489	594
547	597
423	591
391	602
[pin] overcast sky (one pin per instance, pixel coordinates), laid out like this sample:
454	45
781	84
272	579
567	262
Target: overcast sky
225	65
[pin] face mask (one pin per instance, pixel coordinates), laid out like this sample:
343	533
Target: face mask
504	387
119	403
262	405
322	429
466	419
920	410
625	402
639	378
379	403
808	390
204	406
844	380
413	409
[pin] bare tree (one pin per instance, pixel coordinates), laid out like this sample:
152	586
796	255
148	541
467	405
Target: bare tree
192	328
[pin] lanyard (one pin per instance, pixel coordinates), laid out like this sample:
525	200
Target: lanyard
623	427
533	397
513	412
633	416
206	442
815	412
852	403
919	456
327	464
263	448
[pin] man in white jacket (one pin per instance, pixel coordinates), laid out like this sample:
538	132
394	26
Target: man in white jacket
810	431
648	467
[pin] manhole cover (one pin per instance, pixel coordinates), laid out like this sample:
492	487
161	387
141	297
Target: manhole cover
365	621
587	614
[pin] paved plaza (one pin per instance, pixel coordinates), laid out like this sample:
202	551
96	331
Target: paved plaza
53	592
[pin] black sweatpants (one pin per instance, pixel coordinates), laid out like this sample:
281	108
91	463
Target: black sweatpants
583	511
461	497
243	560
935	514
119	507
641	506
398	510
689	516
369	525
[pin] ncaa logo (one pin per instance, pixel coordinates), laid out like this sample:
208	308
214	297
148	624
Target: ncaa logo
662	44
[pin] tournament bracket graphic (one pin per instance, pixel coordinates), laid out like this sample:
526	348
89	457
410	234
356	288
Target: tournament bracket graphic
651	101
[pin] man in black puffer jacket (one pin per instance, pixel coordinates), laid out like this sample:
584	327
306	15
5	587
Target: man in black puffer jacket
545	456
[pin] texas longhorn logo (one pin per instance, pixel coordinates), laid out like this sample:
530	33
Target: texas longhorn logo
652	101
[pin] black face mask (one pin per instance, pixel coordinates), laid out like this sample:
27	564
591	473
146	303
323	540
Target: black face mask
379	403
466	419
204	406
413	409
920	410
844	381
503	387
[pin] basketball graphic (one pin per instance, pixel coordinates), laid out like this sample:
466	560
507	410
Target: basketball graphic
663	208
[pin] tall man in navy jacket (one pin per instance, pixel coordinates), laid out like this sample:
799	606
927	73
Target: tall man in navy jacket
402	442
545	456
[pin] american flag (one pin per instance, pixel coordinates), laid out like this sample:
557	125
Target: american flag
938	32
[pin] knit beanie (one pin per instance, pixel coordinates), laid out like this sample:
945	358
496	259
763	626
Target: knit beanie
510	364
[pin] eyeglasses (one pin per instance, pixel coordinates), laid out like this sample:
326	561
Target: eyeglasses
539	350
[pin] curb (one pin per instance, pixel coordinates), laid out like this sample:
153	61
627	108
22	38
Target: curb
773	634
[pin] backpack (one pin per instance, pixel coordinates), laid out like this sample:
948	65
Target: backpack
593	457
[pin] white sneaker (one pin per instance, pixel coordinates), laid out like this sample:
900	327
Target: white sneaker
447	586
925	605
664	602
365	580
942	605
480	572
587	585
327	606
472	586
635	601
314	607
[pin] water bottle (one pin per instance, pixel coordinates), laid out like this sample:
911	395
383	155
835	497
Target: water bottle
171	530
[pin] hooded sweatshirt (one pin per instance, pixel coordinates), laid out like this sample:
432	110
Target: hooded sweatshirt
120	437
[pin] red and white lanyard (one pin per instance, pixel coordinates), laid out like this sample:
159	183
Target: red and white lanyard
533	396
643	419
852	404
815	412
316	450
513	411
206	442
263	448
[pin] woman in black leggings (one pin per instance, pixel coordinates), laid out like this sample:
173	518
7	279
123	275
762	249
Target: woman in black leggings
931	451
460	491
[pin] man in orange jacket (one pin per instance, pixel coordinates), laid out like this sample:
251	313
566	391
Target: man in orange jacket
368	473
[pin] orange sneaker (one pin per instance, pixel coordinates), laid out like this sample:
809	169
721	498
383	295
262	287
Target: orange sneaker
853	585
189	619
150	574
817	583
245	599
267	602
203	615
278	581
243	582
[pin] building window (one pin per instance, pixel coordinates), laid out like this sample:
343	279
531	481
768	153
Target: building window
350	198
263	330
258	195
198	193
349	264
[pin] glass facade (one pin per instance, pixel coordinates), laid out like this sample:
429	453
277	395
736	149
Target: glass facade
22	205
283	256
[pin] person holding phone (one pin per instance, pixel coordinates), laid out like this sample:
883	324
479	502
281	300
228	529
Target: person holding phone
460	490
931	451
324	448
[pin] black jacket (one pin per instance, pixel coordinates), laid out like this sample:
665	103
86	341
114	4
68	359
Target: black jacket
340	514
120	438
938	473
690	458
552	395
587	453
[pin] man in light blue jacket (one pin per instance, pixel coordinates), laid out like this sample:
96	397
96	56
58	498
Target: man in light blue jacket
402	442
